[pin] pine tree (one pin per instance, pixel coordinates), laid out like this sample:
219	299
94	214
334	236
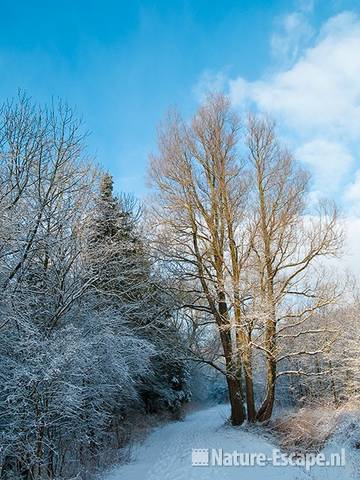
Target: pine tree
118	261
114	254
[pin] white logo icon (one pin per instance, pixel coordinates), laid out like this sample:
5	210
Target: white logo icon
200	457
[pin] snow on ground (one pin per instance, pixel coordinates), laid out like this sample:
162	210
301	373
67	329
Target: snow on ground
166	453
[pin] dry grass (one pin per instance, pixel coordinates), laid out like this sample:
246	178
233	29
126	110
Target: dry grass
309	428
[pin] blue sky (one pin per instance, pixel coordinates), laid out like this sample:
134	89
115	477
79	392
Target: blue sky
123	63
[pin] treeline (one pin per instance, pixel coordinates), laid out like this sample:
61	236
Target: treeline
88	339
103	307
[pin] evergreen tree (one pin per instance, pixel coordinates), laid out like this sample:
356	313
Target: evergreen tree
123	278
114	250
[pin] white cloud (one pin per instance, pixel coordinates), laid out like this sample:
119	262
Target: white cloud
293	32
317	105
316	102
352	192
209	82
352	195
351	259
329	161
322	89
305	5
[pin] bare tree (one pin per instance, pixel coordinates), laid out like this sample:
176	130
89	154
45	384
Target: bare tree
239	239
288	242
201	196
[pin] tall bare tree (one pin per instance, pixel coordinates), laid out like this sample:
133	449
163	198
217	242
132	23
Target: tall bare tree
201	196
239	238
288	242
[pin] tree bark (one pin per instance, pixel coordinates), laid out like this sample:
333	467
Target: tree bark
233	376
266	409
249	385
267	406
233	380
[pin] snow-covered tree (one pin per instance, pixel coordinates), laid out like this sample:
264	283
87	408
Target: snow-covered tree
119	260
73	357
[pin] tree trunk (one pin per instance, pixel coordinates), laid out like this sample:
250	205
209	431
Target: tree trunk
266	409
267	406
233	381
233	376
237	416
249	386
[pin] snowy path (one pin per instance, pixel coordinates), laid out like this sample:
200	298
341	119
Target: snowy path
166	453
